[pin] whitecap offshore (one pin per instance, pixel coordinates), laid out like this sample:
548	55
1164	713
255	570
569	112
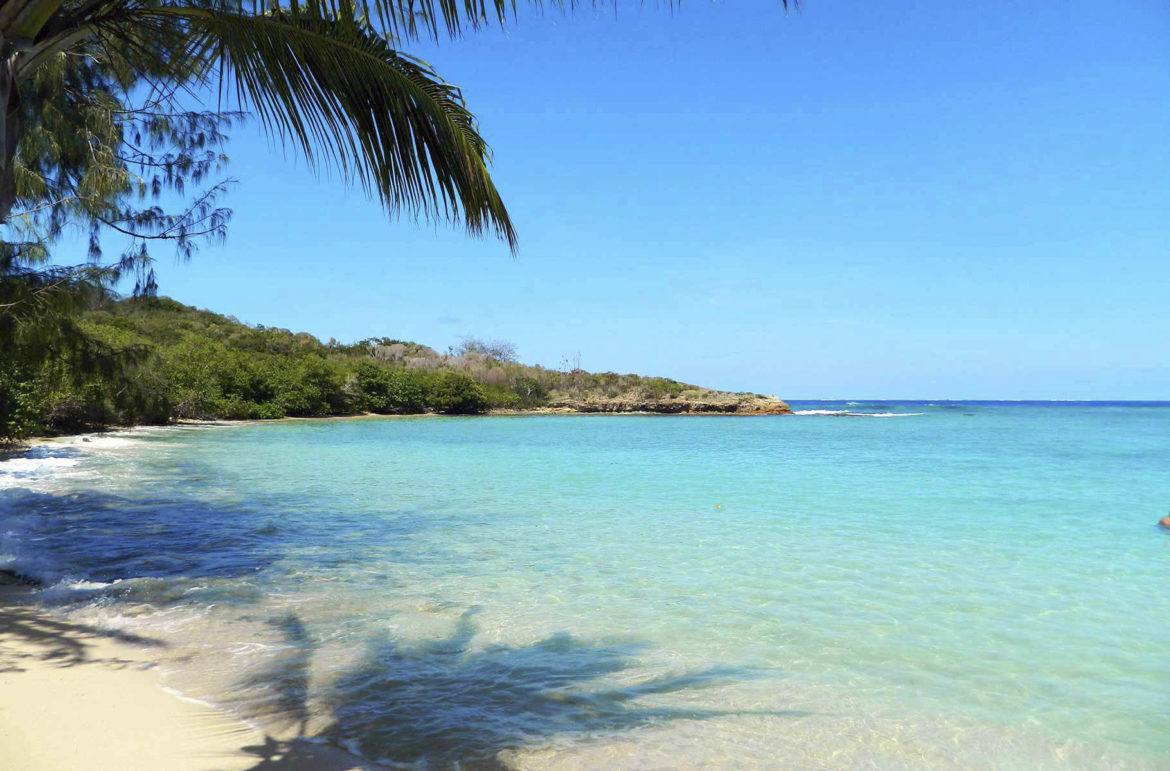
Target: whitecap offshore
850	414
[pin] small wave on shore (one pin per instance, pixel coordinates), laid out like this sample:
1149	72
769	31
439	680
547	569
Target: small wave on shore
489	592
37	463
56	490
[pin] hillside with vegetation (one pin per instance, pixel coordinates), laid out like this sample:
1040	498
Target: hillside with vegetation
178	362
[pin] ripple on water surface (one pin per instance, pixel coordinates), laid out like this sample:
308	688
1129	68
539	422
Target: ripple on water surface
972	586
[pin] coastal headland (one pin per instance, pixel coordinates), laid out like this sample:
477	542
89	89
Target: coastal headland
158	361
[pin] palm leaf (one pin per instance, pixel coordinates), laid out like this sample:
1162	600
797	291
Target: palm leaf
323	74
412	19
335	88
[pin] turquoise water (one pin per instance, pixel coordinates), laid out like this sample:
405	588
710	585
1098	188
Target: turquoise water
969	585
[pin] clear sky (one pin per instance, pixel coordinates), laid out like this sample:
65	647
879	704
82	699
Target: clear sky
916	199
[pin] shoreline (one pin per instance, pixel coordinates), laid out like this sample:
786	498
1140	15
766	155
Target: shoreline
126	656
76	696
14	448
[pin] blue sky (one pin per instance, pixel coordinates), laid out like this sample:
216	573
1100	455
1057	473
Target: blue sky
899	200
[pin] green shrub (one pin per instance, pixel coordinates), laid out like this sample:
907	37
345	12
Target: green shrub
454	393
659	388
500	398
307	386
20	413
390	391
529	391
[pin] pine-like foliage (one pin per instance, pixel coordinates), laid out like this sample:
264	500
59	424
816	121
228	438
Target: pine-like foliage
98	133
100	129
86	159
328	78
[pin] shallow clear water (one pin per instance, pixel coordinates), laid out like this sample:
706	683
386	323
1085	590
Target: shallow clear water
967	585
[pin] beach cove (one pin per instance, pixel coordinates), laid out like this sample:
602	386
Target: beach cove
944	585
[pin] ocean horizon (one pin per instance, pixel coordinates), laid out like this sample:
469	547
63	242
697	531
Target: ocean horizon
866	583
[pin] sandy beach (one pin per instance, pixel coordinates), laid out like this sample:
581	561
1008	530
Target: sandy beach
76	697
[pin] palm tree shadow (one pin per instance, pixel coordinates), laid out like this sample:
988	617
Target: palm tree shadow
28	635
445	704
281	691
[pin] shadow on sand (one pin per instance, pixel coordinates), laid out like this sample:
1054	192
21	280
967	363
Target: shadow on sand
26	633
448	704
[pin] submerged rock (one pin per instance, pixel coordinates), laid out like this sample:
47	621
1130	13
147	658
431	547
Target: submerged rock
10	578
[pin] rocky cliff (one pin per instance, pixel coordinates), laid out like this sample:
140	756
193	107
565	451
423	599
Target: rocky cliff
693	402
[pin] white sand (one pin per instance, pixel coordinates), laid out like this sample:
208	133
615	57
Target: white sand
73	698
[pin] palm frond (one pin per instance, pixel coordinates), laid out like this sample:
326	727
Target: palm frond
413	19
335	88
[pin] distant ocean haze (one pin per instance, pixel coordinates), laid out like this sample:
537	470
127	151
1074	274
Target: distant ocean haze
890	584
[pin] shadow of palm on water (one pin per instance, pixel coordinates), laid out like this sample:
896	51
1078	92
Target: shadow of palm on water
97	536
445	703
170	548
440	704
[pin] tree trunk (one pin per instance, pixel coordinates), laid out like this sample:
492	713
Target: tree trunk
21	22
9	129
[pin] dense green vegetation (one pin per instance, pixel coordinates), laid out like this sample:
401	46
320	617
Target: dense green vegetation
103	133
174	361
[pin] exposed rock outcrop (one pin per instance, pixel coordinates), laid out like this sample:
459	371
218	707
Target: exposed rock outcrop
712	402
